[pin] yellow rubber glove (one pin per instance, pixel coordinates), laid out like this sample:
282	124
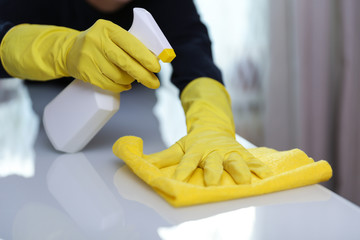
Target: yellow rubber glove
210	142
105	55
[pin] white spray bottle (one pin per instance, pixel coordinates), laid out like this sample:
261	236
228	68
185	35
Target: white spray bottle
76	115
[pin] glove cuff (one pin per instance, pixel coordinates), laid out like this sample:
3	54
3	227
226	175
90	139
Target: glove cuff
207	104
31	51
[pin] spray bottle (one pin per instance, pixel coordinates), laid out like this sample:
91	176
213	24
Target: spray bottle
77	114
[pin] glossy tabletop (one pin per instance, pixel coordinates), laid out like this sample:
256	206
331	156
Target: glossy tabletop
93	194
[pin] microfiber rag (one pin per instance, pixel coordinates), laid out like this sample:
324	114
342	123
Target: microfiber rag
291	169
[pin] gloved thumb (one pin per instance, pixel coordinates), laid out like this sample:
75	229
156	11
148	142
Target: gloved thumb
167	157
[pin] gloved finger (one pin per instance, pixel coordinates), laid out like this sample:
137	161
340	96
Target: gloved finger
128	64
259	168
237	168
116	74
187	166
255	165
213	168
135	48
127	147
149	81
167	157
104	82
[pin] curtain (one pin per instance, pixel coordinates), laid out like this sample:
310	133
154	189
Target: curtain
312	85
304	63
349	126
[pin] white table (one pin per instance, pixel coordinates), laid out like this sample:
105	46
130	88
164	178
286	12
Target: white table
93	195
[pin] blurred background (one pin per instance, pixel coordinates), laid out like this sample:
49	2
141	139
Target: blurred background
292	68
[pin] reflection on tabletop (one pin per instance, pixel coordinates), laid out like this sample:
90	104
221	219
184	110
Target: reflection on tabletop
85	199
303	213
19	128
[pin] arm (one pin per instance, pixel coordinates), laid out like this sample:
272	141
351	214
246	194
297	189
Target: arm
210	141
14	12
105	54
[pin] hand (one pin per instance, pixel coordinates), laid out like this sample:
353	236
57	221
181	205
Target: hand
105	55
110	57
213	153
210	143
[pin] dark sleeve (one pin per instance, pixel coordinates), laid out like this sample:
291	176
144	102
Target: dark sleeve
4	27
68	13
189	37
13	12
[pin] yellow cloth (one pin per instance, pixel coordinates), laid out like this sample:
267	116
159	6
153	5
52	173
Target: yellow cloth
290	169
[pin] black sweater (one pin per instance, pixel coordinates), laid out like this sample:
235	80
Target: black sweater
178	19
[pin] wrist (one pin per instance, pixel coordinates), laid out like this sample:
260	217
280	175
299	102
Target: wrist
37	52
207	105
